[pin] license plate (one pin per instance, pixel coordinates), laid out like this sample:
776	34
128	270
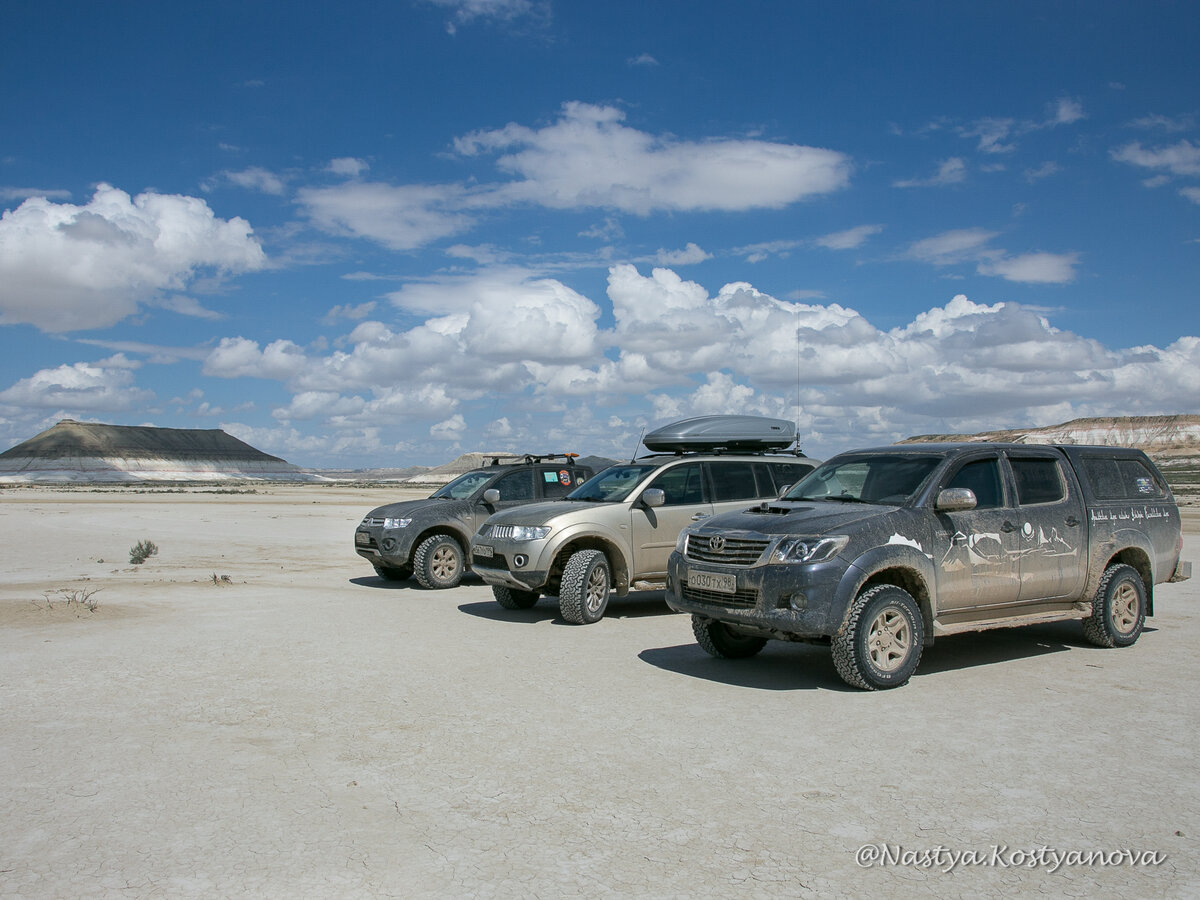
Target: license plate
482	550
712	581
361	537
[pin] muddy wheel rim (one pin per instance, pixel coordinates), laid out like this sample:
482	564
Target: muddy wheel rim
1125	608
889	640
596	589
444	563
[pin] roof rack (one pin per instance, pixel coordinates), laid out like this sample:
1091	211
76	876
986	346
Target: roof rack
716	434
530	458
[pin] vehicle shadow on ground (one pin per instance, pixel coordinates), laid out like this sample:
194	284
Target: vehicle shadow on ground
636	605
779	667
790	667
408	584
1003	645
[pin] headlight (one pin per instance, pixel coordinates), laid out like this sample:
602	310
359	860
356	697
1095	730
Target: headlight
397	523
809	549
529	532
681	541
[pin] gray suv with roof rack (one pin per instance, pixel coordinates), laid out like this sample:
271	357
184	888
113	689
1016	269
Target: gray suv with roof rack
616	530
426	537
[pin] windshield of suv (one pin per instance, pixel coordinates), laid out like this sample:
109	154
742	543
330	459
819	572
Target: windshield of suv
885	478
612	485
464	486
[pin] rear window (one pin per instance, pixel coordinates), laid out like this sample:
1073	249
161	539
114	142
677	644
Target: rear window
1121	479
1038	480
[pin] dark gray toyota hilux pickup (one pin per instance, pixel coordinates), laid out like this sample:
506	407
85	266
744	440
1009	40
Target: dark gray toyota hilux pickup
879	551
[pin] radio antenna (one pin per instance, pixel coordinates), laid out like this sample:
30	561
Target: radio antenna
638	444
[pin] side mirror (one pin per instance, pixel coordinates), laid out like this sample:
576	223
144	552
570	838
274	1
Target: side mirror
654	497
491	495
956	500
783	490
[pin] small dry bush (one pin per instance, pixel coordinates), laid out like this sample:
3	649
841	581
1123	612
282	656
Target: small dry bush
73	598
142	551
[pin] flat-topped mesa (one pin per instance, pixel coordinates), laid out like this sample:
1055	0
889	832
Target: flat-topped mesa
72	451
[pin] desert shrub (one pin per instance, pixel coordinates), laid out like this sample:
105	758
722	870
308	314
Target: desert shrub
142	551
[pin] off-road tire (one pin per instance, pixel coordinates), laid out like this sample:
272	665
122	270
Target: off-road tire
438	562
881	644
393	573
511	598
585	587
1118	609
719	640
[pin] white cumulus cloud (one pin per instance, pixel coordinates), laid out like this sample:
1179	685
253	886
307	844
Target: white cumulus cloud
65	267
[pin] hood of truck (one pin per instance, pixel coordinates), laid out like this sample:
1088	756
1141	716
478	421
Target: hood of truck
796	517
547	511
442	508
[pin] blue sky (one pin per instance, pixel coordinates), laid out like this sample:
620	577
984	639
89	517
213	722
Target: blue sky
380	234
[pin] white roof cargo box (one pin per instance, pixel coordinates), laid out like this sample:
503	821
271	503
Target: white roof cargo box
722	433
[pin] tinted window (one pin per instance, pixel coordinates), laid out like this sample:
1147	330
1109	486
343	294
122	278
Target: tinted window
552	481
1120	479
733	481
1038	480
1139	481
983	478
516	485
681	485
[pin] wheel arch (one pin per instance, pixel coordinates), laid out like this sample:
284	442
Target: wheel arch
904	568
618	565
1140	561
447	529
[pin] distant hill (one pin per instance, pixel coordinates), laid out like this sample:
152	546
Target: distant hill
89	452
1159	436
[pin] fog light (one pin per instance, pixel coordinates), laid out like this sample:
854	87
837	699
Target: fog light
389	544
798	602
519	560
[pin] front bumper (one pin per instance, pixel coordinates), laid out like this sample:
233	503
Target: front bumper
783	601
510	563
387	547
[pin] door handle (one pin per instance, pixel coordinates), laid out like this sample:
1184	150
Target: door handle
1008	527
1072	521
698	516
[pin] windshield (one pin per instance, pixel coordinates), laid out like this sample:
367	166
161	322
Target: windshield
890	478
463	486
612	485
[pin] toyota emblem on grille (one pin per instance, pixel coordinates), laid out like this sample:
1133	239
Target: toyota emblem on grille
716	543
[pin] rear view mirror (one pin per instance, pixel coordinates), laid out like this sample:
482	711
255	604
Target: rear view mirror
956	500
654	497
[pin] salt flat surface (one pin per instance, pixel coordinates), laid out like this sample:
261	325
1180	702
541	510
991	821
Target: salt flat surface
294	726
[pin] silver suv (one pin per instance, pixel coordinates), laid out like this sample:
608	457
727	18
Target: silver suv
617	529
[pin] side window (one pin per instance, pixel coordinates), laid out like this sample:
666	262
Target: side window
681	484
516	485
1104	477
1138	480
733	481
557	482
1038	480
983	477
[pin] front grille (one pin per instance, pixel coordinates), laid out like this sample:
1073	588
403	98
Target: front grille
370	522
500	532
734	551
495	561
745	599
